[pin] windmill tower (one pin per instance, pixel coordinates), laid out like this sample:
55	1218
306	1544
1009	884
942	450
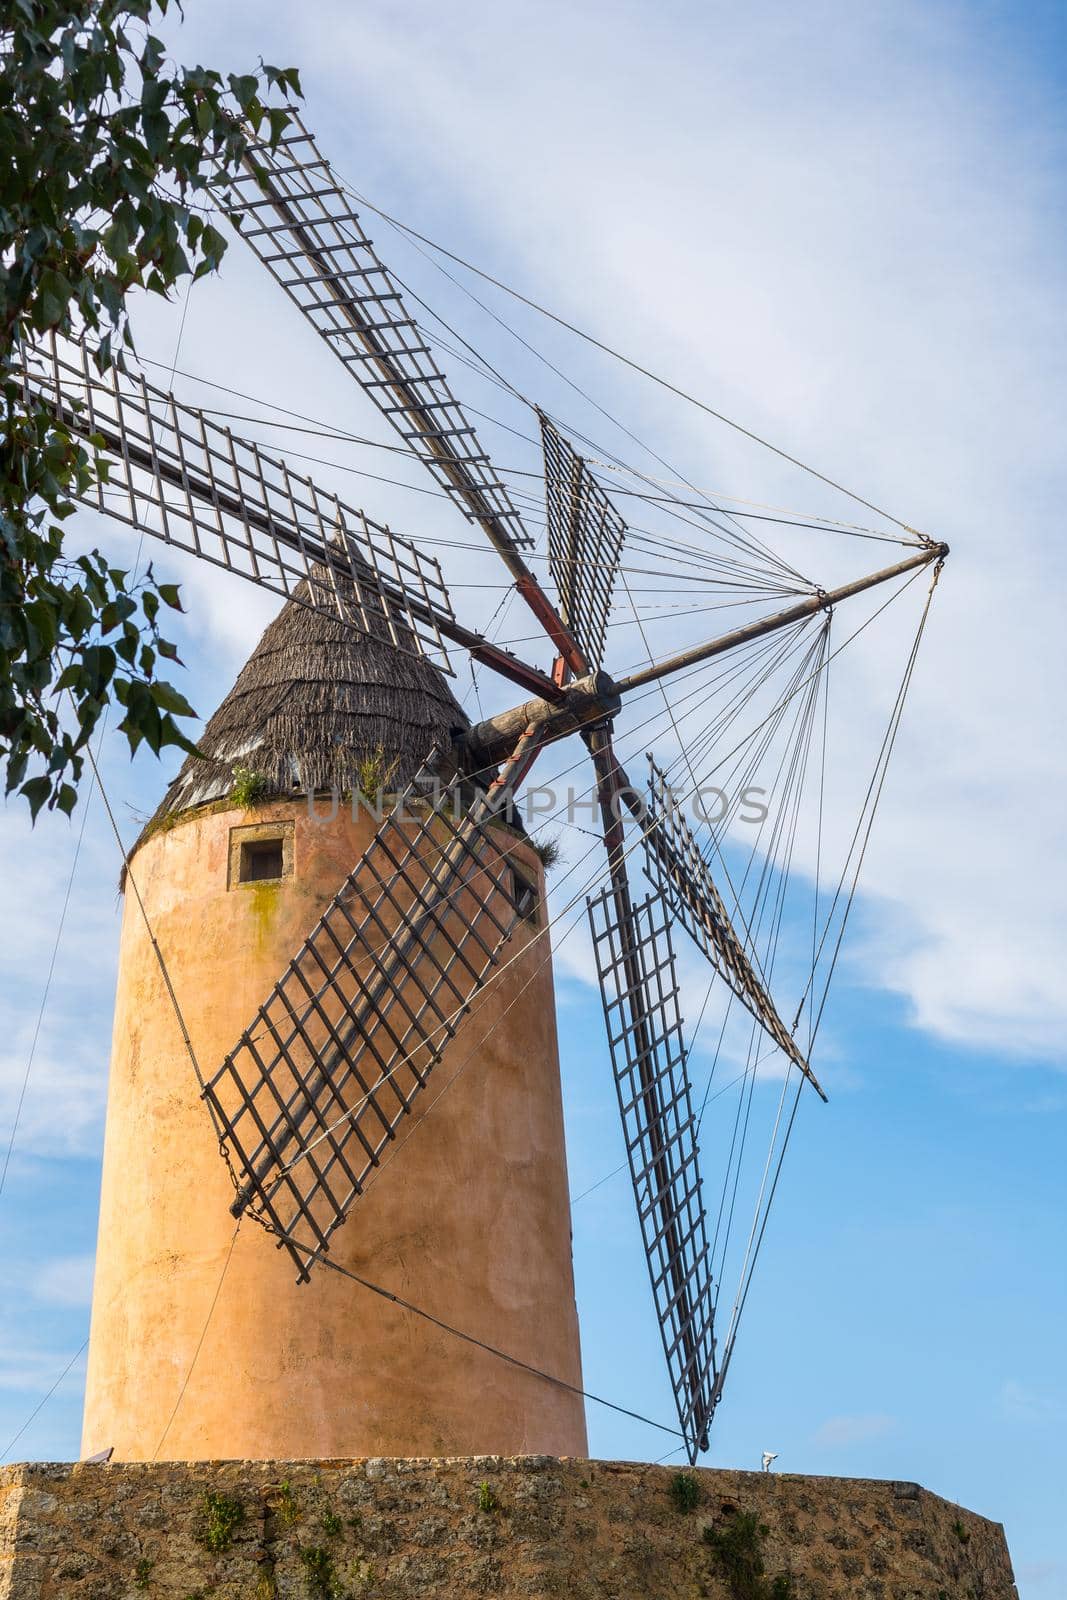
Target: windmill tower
472	1224
356	1012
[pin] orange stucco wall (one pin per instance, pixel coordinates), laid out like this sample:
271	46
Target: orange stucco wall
468	1219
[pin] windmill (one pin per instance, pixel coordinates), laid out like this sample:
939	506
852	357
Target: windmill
312	1095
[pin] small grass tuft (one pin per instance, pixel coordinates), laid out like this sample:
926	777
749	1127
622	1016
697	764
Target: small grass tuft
374	772
684	1490
288	1511
249	787
738	1547
222	1516
487	1500
142	1572
962	1533
331	1523
548	852
320	1574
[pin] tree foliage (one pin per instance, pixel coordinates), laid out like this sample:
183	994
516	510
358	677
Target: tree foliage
109	152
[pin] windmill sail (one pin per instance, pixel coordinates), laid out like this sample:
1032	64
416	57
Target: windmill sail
639	989
315	1088
675	865
195	485
295	215
585	537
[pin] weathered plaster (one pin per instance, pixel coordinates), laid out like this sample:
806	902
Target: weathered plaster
468	1216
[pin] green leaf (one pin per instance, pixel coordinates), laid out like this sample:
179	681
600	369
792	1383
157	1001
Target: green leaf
279	120
168	698
245	87
36	791
152	59
102	147
156	131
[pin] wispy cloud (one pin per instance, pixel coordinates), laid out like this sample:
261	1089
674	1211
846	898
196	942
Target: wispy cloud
856	315
63	1109
1043	1574
1025	1402
33	1369
838	1433
65	1281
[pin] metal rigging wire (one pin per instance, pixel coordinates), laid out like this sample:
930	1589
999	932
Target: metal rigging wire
617	355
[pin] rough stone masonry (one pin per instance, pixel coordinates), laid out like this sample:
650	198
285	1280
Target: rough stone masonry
526	1526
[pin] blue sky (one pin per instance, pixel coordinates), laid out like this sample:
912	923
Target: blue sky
844	226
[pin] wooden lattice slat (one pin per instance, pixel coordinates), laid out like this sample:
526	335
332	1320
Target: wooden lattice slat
639	991
585	537
195	485
317	1084
675	864
301	224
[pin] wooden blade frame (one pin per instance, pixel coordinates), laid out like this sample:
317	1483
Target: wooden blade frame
585	538
679	872
639	991
331	1063
194	485
295	216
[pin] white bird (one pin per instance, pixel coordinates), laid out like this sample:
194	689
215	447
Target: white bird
768	1457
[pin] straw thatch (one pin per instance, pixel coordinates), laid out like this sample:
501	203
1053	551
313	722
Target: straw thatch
314	703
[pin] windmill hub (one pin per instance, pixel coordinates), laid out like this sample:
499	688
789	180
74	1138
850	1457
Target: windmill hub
585	702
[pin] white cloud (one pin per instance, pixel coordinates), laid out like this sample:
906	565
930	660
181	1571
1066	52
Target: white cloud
1043	1573
1024	1402
34	1369
839	1432
874	287
63	1107
872	283
65	1281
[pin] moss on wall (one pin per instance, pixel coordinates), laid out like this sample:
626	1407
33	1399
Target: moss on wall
397	1529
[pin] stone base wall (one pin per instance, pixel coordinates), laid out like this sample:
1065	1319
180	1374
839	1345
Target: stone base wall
526	1526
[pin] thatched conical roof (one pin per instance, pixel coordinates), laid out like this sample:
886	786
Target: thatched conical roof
315	701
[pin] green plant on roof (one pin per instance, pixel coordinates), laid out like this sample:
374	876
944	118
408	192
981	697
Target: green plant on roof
249	787
547	852
374	772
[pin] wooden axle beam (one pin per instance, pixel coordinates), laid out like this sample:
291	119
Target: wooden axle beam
597	697
822	600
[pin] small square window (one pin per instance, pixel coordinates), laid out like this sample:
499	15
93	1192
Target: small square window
524	894
261	859
261	852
